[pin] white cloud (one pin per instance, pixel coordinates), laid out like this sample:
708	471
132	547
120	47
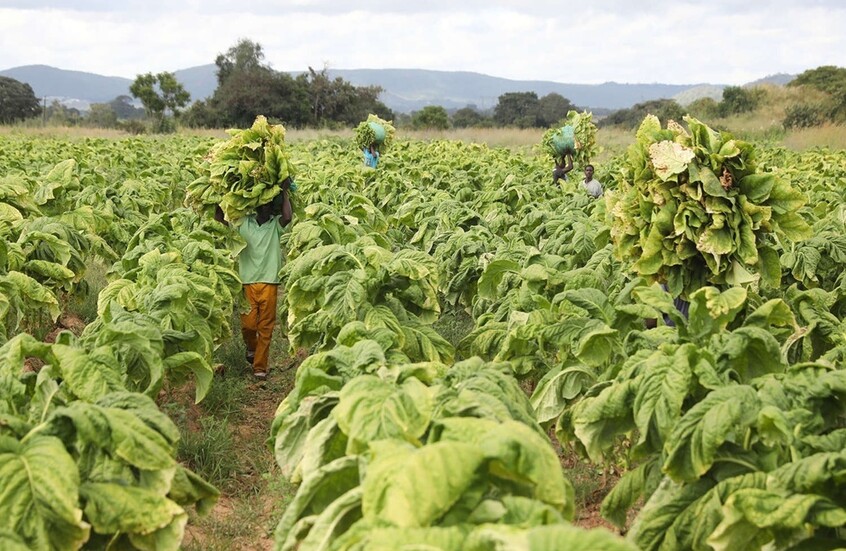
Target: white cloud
719	41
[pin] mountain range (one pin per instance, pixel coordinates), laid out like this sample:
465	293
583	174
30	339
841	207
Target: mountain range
404	90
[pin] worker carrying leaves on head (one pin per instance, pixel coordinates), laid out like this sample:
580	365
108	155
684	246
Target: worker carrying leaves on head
371	156
373	137
258	266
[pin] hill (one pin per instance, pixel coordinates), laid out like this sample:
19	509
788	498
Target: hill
405	90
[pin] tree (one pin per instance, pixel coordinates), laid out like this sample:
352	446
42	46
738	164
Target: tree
431	116
17	101
102	115
61	115
552	108
664	109
467	117
337	100
246	55
159	94
737	100
246	94
201	115
123	108
704	108
517	109
829	79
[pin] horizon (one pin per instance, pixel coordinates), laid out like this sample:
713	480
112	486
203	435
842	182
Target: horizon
655	82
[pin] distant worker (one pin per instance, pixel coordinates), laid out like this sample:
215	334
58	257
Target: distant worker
593	187
561	169
371	156
563	146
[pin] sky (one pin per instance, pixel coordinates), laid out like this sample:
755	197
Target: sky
583	42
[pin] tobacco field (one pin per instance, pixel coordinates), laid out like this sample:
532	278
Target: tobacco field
728	419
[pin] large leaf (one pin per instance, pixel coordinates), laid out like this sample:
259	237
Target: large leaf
373	409
39	494
722	416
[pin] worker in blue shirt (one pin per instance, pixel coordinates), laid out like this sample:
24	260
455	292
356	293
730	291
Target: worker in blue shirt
371	156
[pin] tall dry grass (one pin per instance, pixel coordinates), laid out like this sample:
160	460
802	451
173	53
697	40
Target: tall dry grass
829	135
63	132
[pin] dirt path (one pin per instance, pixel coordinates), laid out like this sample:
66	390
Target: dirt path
254	494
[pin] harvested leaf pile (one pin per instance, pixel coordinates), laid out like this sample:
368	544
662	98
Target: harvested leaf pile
694	209
366	133
584	146
243	172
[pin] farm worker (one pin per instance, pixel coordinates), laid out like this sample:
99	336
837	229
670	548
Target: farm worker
561	169
258	266
593	187
371	156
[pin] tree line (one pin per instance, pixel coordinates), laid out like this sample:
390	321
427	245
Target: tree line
247	86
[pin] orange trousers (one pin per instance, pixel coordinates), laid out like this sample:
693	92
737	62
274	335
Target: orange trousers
257	325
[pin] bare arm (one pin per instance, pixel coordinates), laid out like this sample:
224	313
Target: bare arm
287	210
569	166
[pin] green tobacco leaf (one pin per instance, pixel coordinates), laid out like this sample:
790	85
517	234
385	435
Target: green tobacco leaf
39	500
711	311
181	363
113	508
517	454
122	433
493	274
413	488
722	416
627	491
317	493
754	518
557	387
333	521
88	376
373	409
187	488
545	538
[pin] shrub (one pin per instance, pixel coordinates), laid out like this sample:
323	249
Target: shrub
804	115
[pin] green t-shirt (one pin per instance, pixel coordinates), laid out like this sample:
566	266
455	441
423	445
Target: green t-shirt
261	260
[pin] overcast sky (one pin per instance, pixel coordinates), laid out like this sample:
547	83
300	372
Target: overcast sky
587	41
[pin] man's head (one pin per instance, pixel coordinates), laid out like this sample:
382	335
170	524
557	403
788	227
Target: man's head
264	212
589	173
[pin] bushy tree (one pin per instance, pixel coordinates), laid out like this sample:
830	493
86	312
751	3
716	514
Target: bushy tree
337	100
704	108
101	115
245	56
432	116
17	101
468	117
124	110
517	109
737	100
552	108
805	115
159	94
246	94
62	115
201	114
831	80
664	109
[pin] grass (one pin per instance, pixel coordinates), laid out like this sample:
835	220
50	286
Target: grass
454	324
829	135
84	304
210	452
224	440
